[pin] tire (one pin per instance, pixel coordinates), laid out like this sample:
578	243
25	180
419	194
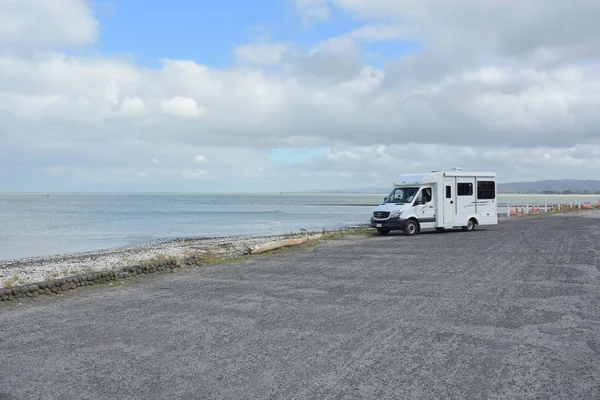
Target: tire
383	231
470	225
411	228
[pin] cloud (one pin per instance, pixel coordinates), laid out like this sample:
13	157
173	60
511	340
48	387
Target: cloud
314	10
261	53
182	106
333	61
34	24
379	32
132	106
513	89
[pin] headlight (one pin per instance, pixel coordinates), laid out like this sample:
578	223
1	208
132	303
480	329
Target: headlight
396	214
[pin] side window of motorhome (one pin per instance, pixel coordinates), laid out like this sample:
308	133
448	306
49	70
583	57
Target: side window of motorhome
424	196
486	190
448	192
465	189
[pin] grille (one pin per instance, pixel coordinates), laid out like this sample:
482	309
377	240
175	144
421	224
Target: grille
381	214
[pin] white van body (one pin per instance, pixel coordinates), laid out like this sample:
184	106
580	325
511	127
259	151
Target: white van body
440	200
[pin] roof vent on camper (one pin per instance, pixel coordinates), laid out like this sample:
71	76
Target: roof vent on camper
457	169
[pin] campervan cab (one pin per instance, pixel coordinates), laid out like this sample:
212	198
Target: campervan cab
438	200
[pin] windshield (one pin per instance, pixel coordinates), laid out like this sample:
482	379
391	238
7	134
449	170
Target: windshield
402	195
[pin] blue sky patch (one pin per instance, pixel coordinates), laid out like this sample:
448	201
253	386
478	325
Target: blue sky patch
207	32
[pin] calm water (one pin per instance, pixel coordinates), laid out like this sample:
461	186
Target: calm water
37	225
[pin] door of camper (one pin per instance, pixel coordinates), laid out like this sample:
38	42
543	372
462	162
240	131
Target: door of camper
449	199
465	199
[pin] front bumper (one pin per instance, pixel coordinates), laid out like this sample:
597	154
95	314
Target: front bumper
391	224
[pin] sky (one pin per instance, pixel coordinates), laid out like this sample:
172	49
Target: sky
293	95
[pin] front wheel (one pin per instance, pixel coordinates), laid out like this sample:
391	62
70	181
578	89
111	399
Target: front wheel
470	226
411	228
383	231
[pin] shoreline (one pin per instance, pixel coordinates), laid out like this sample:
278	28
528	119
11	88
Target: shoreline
23	271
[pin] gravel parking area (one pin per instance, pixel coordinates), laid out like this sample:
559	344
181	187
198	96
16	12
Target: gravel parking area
505	312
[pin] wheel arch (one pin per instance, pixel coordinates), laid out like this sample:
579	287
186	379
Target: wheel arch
414	218
474	218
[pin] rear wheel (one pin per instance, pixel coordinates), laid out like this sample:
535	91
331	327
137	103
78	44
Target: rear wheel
470	225
383	231
411	228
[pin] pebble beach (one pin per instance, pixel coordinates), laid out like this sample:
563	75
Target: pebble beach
36	269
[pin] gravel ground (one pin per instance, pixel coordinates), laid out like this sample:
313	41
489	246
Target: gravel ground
505	312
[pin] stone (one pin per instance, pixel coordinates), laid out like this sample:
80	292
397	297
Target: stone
102	281
35	294
47	291
4	297
34	288
11	297
54	289
29	294
69	279
73	285
65	286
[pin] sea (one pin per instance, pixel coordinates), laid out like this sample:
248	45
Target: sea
39	224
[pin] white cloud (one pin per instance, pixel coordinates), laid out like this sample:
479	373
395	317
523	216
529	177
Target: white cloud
311	10
132	106
513	89
182	106
32	24
379	32
261	53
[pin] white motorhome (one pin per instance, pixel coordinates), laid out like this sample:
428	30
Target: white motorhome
440	200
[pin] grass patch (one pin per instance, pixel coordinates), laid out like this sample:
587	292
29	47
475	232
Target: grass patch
347	232
51	275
